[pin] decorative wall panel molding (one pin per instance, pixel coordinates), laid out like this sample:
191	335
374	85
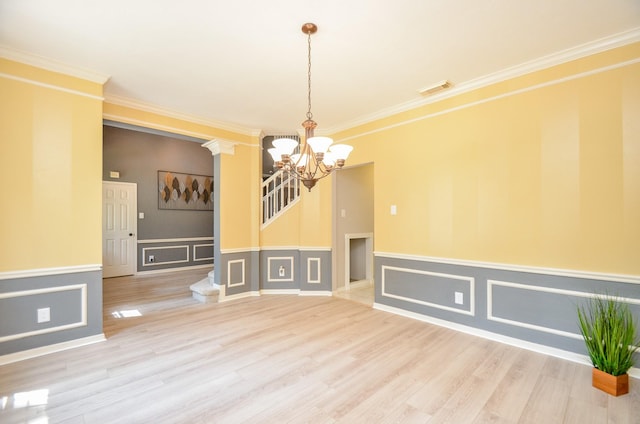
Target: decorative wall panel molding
314	271
174	253
620	278
179	251
526	291
508	302
201	247
422	296
275	266
30	330
236	271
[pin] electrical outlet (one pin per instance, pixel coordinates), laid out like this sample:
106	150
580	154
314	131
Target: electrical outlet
151	259
44	315
459	298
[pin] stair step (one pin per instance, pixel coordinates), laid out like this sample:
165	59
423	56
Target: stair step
205	292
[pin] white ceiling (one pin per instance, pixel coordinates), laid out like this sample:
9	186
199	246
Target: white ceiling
244	62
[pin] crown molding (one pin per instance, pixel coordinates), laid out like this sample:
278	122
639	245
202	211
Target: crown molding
218	146
148	107
554	59
52	65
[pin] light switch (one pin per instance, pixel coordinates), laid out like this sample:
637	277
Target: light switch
394	210
141	215
343	213
459	298
114	174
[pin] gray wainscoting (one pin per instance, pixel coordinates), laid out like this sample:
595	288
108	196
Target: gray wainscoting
73	300
296	270
536	306
290	271
239	272
280	270
156	255
315	271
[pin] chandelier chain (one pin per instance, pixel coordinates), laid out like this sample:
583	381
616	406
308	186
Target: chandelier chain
309	114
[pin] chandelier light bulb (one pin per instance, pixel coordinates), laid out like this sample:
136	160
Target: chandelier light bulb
320	144
341	151
275	154
285	146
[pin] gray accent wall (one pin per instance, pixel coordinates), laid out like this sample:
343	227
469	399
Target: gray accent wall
138	154
315	271
280	270
287	271
239	272
171	254
534	307
74	301
353	214
296	269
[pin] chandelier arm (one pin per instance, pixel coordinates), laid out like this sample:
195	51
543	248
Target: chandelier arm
308	169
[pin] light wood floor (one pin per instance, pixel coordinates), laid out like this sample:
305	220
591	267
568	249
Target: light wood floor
290	359
361	292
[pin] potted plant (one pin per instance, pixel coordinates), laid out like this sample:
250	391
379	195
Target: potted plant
609	332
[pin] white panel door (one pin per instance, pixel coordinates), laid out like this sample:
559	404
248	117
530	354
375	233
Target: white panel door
119	228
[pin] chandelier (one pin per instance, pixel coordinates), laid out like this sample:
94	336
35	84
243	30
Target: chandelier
317	157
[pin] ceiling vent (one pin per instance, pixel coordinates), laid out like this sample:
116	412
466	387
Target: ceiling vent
439	86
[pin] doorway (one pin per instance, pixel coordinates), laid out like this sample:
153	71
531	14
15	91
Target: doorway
353	219
119	228
358	260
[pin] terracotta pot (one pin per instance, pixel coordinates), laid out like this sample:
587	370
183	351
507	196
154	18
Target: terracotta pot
614	385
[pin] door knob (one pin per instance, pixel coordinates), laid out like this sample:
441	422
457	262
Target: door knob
130	234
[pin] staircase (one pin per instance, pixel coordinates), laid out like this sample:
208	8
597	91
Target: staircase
279	192
206	291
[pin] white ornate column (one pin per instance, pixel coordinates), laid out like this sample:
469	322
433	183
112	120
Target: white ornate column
208	290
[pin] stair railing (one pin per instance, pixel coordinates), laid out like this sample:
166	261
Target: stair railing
279	192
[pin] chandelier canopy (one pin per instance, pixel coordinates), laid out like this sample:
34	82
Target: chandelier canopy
316	157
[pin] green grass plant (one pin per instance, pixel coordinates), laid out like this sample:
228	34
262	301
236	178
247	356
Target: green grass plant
609	332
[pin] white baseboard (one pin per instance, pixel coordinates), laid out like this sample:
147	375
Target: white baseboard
545	350
46	350
315	293
225	298
280	291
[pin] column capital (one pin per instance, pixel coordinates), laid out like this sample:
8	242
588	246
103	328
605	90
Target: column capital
217	146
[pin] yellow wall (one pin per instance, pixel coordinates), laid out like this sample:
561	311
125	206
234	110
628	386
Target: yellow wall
240	198
548	175
313	231
284	230
50	168
315	207
540	170
158	121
